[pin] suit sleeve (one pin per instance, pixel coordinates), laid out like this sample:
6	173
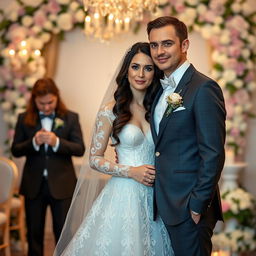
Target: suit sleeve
74	144
22	144
210	114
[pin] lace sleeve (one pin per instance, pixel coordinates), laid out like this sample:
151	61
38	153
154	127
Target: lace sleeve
100	139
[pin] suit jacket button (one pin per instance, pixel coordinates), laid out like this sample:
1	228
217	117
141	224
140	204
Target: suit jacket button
157	153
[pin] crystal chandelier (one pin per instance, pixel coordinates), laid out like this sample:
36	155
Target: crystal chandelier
106	18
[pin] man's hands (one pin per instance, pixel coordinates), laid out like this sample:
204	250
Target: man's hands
45	137
144	174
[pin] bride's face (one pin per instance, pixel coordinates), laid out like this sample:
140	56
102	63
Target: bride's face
141	72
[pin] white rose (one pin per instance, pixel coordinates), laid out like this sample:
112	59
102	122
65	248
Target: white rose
33	3
64	2
192	2
45	37
36	29
56	30
244	34
17	82
207	31
48	25
252	41
20	102
19	110
201	8
248	9
27	21
52	17
218	20
229	75
251	86
238	83
30	81
238	109
64	21
36	43
79	15
236	7
228	125
11	95
216	29
32	66
73	6
225	37
246	53
6	105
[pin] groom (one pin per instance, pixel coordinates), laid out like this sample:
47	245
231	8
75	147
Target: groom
189	136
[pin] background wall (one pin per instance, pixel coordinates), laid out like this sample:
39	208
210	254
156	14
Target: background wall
86	66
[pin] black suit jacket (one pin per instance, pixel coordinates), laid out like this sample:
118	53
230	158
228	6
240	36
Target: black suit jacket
61	174
191	154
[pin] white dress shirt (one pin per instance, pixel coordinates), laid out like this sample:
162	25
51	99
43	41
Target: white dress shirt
46	123
173	80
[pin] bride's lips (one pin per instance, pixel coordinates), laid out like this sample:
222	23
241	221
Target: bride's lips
140	81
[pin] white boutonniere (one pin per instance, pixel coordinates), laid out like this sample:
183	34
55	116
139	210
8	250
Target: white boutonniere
58	123
174	101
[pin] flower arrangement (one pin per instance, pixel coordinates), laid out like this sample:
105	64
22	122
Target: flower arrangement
239	211
174	101
228	26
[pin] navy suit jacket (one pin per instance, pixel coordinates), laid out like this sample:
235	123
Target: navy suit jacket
190	150
61	173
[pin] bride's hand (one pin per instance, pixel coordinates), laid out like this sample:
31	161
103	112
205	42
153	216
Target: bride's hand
144	174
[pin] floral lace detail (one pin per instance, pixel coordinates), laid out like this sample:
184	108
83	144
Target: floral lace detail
101	135
120	221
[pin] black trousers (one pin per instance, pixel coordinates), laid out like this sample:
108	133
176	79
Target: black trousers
191	239
35	218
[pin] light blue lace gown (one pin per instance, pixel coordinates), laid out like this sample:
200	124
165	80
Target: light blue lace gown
120	222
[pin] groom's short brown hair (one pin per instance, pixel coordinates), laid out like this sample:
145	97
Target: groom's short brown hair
180	27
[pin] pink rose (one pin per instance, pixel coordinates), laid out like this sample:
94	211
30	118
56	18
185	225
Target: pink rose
40	18
225	206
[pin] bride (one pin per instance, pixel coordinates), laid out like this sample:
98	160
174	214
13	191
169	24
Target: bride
120	220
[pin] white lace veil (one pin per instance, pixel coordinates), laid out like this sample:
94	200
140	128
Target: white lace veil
89	184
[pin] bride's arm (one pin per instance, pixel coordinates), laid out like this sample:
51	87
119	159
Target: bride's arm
100	139
144	174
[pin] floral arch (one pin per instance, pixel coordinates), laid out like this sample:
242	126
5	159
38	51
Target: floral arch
228	25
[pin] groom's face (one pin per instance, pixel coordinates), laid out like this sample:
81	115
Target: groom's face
167	51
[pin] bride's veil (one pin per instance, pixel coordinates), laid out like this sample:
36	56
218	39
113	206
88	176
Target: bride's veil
88	187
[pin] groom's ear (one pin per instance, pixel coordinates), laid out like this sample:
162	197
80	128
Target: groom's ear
184	45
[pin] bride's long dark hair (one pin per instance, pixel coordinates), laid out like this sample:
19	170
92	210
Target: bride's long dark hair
123	94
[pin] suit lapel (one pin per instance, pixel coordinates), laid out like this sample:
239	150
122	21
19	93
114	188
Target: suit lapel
152	123
181	89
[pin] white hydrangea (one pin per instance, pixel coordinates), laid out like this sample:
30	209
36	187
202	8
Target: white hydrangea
64	21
